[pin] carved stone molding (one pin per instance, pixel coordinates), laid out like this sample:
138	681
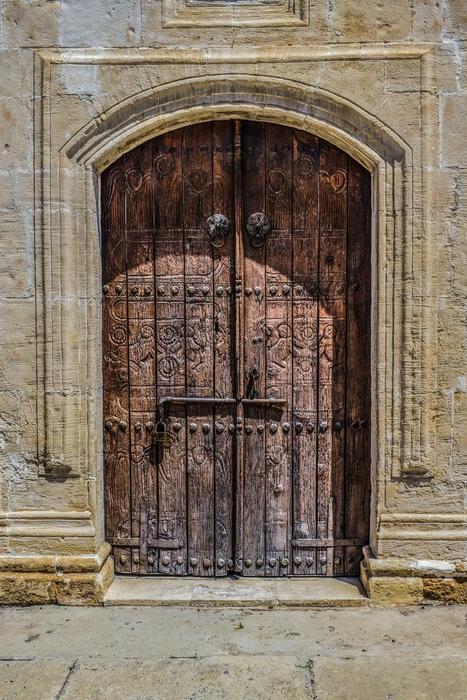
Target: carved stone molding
234	13
78	563
454	525
44	523
411	532
80	579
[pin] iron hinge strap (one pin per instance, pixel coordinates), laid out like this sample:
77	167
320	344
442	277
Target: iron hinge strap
155	543
331	542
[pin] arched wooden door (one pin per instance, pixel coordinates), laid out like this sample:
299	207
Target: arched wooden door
236	330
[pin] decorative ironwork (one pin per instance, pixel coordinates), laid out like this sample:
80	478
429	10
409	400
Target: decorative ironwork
218	227
258	227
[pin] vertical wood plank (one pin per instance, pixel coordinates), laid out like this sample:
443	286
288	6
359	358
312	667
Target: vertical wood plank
141	328
199	344
224	344
357	473
331	357
238	473
305	345
117	482
168	522
278	347
253	487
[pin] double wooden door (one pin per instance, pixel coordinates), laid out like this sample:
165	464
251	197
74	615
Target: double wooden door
236	298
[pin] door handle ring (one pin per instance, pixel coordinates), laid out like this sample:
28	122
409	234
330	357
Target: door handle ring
218	227
258	227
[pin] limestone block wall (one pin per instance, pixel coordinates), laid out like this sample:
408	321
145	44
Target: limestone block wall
82	81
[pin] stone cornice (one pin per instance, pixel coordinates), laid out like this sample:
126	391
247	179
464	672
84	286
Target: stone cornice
43	523
423	526
237	55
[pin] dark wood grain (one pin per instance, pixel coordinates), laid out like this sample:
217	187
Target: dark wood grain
168	522
141	328
357	465
199	345
333	184
239	333
224	343
253	430
115	364
278	347
305	346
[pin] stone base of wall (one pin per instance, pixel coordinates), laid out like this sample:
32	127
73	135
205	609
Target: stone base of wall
386	581
408	582
26	582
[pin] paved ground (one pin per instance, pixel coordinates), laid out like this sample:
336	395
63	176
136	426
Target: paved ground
188	653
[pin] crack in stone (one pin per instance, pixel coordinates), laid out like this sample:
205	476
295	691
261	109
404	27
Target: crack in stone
71	670
311	676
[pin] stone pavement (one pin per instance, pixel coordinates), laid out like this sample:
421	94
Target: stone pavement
244	592
188	653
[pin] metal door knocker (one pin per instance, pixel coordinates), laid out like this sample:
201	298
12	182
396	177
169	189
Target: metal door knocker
252	389
258	227
218	227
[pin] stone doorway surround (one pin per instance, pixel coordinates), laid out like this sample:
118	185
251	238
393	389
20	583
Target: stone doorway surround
93	105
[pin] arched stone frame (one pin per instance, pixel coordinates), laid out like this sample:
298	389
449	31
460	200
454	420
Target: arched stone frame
68	272
396	398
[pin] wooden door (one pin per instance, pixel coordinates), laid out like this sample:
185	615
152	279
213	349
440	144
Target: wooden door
236	296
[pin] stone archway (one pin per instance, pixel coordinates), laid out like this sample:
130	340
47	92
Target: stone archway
360	135
69	282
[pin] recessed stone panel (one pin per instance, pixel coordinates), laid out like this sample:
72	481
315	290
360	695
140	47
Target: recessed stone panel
234	13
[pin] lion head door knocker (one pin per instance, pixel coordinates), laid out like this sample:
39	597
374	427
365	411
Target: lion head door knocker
218	227
258	227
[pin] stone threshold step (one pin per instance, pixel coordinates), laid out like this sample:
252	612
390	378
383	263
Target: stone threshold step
252	592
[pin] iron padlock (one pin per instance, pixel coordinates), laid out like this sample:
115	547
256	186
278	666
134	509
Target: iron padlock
161	436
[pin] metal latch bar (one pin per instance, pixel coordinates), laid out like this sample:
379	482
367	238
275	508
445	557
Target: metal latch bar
264	402
156	543
190	400
331	542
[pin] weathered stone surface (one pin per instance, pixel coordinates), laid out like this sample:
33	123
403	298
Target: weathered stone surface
394	590
32	680
108	23
154	632
339	679
454	150
226	676
401	582
146	653
89	589
32	23
446	589
382	21
456	18
16	138
34	587
264	593
26	589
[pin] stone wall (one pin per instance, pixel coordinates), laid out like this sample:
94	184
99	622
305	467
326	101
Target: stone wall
81	82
